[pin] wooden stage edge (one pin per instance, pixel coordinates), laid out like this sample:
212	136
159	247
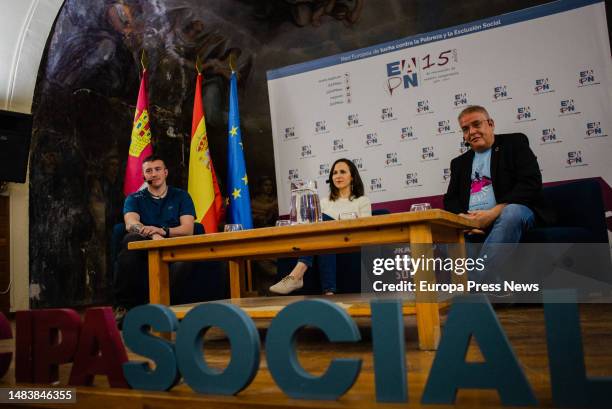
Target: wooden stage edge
356	305
523	325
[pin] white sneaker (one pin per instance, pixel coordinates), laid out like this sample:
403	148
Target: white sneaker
287	285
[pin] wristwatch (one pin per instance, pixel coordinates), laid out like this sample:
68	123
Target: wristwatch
166	231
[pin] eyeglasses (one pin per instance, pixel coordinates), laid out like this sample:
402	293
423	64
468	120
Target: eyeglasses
475	124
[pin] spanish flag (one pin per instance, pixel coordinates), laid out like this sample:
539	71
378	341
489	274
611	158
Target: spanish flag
140	144
202	185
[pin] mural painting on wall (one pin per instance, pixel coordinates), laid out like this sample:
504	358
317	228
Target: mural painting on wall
86	91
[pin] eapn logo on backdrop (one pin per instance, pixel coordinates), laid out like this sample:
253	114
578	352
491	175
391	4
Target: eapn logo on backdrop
594	130
402	73
423	107
293	174
324	169
542	86
412	180
567	107
359	164
392	160
444	127
321	127
306	152
549	135
460	100
446	174
376	185
575	159
352	121
407	134
501	93
338	145
524	114
289	133
372	140
463	148
386	114
428	153
586	78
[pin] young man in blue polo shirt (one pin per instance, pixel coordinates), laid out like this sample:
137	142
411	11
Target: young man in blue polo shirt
155	213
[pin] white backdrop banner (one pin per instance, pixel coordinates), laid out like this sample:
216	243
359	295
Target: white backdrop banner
392	108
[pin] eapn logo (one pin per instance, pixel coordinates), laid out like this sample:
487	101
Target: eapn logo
372	139
542	86
549	135
402	73
460	100
412	180
428	153
324	169
338	145
500	93
524	114
567	107
376	185
594	130
306	151
574	159
586	78
407	133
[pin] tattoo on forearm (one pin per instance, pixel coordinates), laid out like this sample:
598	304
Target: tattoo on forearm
135	228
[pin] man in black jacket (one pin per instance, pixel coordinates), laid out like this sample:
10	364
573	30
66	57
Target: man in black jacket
497	182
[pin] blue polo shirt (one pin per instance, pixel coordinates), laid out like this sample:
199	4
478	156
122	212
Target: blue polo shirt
164	212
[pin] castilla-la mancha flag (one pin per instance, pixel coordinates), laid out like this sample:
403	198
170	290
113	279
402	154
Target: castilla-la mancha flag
140	144
202	185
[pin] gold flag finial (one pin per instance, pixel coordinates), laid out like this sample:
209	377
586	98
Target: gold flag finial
232	62
198	64
143	61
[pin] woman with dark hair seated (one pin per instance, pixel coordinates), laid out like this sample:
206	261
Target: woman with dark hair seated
346	196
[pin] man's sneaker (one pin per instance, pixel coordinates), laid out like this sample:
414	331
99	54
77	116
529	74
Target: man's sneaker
287	285
119	313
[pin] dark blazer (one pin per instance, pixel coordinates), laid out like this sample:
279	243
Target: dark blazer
515	175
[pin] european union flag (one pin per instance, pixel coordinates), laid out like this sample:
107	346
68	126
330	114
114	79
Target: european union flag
237	181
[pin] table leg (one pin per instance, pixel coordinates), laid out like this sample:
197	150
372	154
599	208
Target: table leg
159	284
427	313
236	270
458	251
159	279
249	277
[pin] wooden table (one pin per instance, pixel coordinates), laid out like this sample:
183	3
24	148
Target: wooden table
431	226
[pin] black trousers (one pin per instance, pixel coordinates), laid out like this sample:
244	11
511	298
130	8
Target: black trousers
131	281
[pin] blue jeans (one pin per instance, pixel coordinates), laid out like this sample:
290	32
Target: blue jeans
325	262
327	270
507	229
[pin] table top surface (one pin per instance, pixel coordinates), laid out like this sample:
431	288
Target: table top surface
433	216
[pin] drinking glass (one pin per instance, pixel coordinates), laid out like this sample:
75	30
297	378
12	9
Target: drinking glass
283	222
233	227
417	207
